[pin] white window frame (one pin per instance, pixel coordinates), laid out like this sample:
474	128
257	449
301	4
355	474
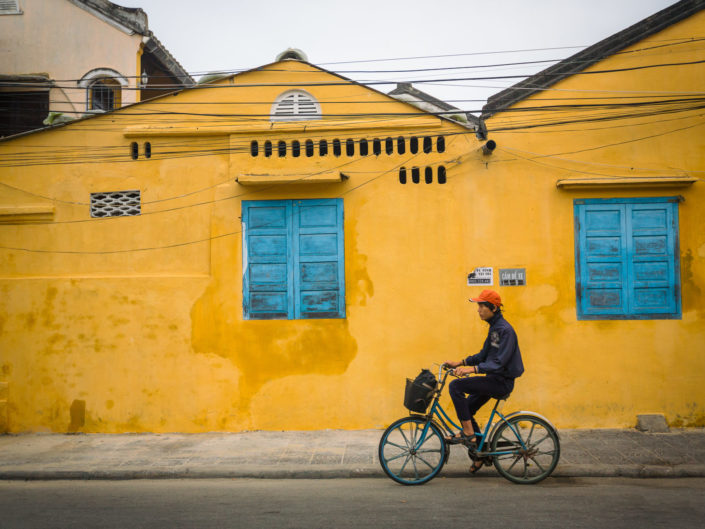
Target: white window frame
96	75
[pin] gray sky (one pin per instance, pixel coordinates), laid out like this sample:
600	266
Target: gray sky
208	35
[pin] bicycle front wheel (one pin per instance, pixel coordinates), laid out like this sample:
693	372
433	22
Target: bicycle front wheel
527	449
412	451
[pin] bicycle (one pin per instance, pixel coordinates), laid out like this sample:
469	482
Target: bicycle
523	446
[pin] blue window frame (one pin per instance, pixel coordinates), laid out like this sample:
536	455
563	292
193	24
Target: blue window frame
626	258
293	259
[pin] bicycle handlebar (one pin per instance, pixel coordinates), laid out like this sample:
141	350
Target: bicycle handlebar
441	375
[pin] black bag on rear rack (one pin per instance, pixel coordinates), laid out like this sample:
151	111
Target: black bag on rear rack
419	392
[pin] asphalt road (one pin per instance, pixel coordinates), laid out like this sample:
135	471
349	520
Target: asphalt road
489	502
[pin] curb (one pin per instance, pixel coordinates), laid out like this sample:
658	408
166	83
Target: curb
330	472
303	472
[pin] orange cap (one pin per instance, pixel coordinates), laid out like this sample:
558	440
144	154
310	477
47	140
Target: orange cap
489	296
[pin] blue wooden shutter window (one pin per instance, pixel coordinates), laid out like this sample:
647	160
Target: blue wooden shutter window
627	263
293	259
268	272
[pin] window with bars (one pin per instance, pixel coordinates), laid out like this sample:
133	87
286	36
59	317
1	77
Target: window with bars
116	204
104	95
295	105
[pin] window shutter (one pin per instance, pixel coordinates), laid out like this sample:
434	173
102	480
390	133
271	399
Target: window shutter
602	253
627	262
267	264
319	259
651	249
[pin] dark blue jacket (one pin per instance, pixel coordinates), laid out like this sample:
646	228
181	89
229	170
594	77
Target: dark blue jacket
500	355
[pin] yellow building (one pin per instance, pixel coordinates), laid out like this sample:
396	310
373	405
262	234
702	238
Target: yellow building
280	248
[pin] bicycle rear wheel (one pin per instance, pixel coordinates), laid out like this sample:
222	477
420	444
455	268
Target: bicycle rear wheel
412	451
528	448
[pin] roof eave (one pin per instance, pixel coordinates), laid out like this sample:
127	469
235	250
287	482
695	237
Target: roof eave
155	47
127	19
591	55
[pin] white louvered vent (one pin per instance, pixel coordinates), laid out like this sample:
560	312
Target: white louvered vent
116	204
9	7
295	105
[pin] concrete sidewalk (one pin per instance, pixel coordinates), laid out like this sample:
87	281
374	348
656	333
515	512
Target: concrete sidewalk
319	454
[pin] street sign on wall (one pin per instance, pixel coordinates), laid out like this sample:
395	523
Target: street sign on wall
512	277
481	276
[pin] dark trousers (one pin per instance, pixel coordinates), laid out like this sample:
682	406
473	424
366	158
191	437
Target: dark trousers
478	390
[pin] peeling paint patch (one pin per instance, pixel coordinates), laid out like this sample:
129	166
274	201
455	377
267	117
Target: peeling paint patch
356	272
687	276
694	419
48	310
78	415
267	350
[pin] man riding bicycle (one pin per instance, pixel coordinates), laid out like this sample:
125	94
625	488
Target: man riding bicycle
499	360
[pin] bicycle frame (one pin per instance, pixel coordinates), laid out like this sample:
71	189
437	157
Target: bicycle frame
523	446
437	412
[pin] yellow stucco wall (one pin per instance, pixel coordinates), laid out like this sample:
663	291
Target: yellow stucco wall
154	339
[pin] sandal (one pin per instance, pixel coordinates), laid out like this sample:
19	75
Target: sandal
462	439
477	465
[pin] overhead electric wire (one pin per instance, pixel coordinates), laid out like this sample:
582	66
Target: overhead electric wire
47	158
202	203
188	243
129	112
134	250
387	102
497	52
514	152
379	82
357	159
589	129
632	140
228	72
534	124
114	154
631	167
542	108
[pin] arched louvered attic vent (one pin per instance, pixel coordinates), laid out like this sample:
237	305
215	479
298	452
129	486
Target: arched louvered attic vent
295	105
